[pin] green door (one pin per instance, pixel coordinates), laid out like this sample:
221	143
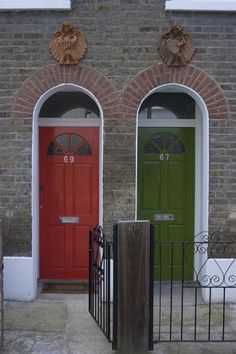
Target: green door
166	196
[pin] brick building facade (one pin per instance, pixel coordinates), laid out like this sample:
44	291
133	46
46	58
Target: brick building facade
121	67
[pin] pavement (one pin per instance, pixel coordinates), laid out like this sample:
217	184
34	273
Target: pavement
52	324
61	324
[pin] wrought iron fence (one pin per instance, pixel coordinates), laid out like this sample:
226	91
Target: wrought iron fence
100	281
194	290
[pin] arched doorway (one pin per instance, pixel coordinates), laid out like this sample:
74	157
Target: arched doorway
69	119
27	104
172	168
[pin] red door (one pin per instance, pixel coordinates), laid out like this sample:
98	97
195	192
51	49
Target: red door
68	200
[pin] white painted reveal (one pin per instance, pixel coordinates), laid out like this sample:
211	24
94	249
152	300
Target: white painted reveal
19	281
201	124
35	5
201	5
35	160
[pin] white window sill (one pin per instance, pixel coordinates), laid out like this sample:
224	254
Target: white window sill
201	5
35	5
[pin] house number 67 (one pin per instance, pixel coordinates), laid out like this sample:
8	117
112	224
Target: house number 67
164	157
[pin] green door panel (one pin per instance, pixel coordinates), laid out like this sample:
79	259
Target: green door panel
166	162
150	198
176	186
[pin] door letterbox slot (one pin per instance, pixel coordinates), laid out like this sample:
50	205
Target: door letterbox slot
164	217
69	219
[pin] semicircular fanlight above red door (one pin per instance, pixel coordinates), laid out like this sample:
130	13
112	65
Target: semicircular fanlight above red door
69	142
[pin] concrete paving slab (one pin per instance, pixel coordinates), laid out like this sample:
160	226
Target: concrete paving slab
52	324
195	348
184	313
35	342
36	316
61	324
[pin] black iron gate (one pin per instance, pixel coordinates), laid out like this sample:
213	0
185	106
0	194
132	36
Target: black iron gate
194	288
197	308
100	281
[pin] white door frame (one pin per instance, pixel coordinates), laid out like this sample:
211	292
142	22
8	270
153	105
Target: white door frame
201	125
35	159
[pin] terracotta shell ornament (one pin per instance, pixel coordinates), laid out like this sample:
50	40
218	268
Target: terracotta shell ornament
68	45
176	47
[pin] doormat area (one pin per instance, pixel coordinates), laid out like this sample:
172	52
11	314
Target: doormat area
65	288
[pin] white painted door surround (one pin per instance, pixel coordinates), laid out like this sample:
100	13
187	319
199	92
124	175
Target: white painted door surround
21	273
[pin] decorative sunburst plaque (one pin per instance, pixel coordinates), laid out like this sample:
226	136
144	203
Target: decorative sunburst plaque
68	45
176	47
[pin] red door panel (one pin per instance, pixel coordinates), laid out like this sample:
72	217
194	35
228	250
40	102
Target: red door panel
80	246
83	191
55	182
68	189
55	252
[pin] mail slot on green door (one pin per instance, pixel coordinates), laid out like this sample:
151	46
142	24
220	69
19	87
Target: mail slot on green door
164	217
166	193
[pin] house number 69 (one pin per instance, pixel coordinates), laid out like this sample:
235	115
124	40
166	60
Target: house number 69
164	157
69	159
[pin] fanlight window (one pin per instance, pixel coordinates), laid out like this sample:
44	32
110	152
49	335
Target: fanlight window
69	142
167	105
66	104
164	143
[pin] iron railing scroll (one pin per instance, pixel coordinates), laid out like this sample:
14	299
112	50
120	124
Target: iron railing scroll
100	280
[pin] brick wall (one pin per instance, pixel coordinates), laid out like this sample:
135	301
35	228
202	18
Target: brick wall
122	38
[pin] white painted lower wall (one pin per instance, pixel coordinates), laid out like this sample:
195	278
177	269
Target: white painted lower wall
19	278
219	273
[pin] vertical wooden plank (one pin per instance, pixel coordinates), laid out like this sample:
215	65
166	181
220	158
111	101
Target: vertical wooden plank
133	295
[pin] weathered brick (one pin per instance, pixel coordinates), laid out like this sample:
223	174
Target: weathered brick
123	38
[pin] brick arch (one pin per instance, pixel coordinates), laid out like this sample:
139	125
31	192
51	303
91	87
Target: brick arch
54	75
188	75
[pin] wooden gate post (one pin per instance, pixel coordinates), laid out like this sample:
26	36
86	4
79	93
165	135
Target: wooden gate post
133	279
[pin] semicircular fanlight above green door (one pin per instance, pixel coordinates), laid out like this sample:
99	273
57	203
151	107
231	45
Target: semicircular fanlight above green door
164	143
